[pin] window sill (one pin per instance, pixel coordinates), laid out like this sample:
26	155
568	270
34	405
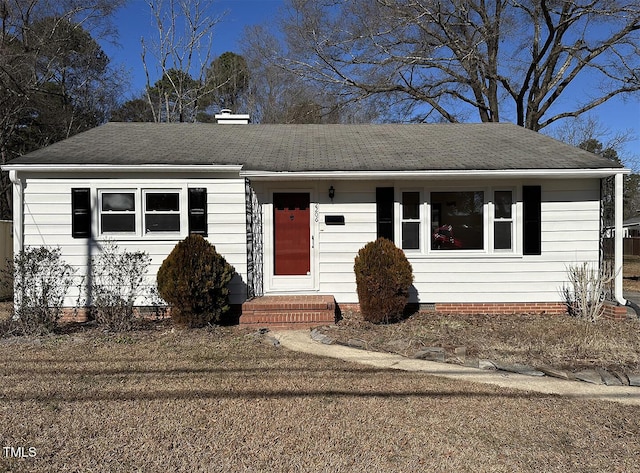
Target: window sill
461	254
147	237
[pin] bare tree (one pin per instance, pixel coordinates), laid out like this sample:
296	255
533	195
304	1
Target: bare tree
183	44
576	131
55	80
591	134
447	59
277	94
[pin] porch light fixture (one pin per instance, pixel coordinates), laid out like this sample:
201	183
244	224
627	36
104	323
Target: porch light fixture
332	193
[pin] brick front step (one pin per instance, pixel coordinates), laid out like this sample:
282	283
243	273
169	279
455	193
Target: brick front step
295	311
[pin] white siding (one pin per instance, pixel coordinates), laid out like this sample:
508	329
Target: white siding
47	222
340	244
570	234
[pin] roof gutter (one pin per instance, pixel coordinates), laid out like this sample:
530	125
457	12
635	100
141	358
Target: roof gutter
311	175
121	168
435	174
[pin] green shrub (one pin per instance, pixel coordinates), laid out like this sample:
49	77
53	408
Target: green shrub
193	280
41	280
116	282
383	278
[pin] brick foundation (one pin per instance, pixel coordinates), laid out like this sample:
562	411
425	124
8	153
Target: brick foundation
310	311
611	310
498	308
71	315
74	315
614	311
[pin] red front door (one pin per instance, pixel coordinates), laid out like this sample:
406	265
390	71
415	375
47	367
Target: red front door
291	234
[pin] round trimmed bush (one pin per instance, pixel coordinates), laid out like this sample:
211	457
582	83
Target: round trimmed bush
194	281
383	278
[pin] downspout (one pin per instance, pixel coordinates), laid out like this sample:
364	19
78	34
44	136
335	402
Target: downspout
18	212
619	245
18	228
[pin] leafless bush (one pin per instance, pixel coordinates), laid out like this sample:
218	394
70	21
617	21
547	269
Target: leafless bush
116	282
41	280
584	293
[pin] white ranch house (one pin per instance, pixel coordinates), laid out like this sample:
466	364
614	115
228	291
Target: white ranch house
489	215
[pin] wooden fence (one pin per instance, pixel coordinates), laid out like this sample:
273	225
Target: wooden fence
632	246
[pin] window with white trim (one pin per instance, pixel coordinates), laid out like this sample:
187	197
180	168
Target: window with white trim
117	211
147	212
161	211
503	220
410	224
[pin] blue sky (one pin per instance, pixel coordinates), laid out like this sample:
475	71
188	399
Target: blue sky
134	22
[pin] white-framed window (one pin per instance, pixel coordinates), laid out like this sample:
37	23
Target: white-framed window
503	213
149	212
457	220
410	226
161	211
436	219
117	210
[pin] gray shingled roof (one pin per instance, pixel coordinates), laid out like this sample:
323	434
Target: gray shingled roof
392	147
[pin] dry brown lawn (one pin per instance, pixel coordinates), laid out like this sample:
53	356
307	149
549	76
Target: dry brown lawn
161	400
5	310
224	399
538	340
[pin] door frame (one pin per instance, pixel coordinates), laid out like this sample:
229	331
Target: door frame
295	283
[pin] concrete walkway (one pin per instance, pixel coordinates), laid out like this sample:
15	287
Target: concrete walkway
301	341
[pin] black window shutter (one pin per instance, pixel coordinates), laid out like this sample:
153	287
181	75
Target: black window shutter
198	211
81	213
532	231
384	212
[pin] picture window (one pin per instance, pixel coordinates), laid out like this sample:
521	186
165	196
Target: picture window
457	220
